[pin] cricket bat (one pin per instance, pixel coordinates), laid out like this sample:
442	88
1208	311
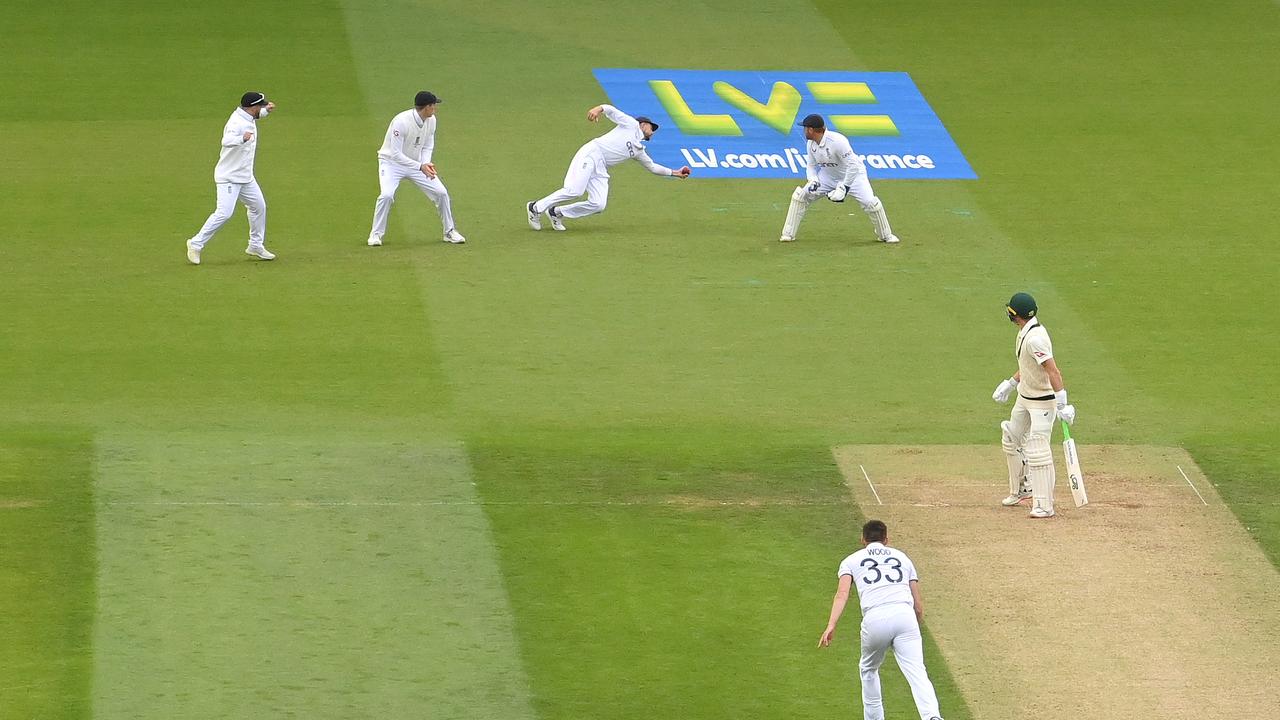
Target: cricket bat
1075	478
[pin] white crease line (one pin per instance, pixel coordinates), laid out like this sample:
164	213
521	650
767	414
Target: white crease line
1193	485
873	487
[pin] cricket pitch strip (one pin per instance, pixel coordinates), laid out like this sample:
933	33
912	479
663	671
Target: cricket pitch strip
1151	601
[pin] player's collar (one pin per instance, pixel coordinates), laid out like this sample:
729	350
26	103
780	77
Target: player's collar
245	113
873	544
1033	322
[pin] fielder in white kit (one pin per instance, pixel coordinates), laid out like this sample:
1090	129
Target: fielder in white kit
234	180
589	171
834	171
889	592
1042	397
406	155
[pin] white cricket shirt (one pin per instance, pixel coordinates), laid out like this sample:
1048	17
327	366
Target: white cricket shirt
625	142
235	162
833	157
1033	349
882	576
410	140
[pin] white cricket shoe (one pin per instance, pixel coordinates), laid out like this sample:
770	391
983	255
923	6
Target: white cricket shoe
1040	512
260	252
374	241
453	237
891	240
557	221
1012	500
193	254
786	238
535	217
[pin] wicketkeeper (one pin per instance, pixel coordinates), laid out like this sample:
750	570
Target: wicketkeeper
1041	398
834	171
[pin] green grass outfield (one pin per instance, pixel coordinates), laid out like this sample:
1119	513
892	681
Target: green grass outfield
582	474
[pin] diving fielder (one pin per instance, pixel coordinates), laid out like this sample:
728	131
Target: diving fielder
406	155
1041	397
589	171
234	180
834	171
889	592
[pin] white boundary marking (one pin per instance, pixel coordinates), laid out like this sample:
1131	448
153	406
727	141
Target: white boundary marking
1193	485
873	487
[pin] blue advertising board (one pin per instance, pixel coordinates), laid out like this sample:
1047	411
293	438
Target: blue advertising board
743	124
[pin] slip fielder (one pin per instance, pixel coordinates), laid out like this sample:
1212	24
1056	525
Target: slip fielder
233	178
589	171
1041	397
406	155
889	593
834	171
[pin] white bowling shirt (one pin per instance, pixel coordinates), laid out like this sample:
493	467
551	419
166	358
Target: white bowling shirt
832	158
625	142
409	141
235	163
881	574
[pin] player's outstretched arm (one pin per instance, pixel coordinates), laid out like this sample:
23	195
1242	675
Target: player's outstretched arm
837	609
917	601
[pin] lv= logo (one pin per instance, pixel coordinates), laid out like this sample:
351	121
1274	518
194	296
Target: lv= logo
779	112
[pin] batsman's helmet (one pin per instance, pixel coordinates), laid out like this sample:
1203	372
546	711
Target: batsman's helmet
1021	305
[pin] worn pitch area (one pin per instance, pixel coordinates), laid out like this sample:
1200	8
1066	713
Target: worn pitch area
1152	601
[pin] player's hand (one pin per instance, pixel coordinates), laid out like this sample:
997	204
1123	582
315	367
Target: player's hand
825	640
812	187
1067	413
247	136
838	194
594	113
682	173
1004	390
429	170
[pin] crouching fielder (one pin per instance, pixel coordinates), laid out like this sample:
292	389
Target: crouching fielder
589	171
889	592
835	171
1041	397
406	155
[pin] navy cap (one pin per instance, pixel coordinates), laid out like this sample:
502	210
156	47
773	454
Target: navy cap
250	99
425	98
813	121
643	118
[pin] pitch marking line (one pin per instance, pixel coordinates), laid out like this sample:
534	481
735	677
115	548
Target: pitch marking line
471	503
1193	485
873	487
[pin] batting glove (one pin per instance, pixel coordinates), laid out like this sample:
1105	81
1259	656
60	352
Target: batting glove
1004	390
838	194
812	187
1067	413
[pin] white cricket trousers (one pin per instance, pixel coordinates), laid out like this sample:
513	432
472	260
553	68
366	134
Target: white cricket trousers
895	626
389	177
587	174
255	205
